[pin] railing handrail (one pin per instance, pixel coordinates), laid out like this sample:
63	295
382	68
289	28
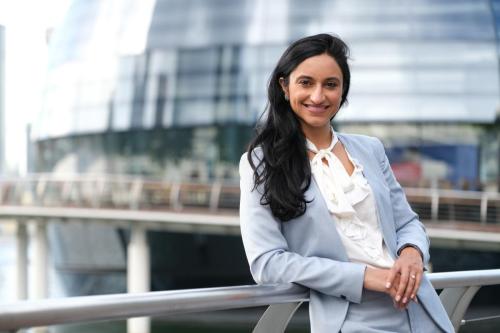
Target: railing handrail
121	190
137	192
459	279
46	312
120	306
127	178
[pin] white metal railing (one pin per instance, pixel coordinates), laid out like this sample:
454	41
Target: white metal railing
138	222
458	290
139	193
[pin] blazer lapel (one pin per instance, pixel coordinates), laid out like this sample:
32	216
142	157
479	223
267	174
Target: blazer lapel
322	213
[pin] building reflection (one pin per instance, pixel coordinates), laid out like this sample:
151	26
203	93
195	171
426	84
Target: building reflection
172	89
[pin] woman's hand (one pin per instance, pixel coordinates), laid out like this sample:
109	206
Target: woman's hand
408	269
375	279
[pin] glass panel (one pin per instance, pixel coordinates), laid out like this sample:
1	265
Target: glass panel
194	112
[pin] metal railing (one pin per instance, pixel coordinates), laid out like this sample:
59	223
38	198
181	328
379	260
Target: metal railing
458	290
139	193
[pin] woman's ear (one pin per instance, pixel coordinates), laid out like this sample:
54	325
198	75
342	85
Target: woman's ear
284	86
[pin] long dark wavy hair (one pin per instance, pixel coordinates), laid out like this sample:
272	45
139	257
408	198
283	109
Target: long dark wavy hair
283	168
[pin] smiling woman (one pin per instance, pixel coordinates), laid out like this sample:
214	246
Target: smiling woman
314	90
324	210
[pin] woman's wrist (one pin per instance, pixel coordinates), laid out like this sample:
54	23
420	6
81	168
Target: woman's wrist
374	279
410	246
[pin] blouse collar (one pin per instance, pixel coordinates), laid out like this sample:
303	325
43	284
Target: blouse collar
312	147
340	190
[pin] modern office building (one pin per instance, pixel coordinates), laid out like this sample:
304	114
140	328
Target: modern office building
2	100
172	89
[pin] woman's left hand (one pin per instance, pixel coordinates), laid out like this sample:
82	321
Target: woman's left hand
410	268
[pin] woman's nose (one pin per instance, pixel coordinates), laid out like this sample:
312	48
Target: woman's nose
317	95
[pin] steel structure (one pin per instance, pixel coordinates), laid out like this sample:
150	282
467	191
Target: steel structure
458	290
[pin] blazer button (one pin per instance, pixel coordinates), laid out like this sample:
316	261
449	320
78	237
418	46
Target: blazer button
343	297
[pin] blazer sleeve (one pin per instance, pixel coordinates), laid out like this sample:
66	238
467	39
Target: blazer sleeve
271	261
409	229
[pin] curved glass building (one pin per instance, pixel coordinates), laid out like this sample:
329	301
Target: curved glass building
173	88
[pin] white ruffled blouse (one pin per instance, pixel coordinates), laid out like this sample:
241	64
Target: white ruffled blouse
351	203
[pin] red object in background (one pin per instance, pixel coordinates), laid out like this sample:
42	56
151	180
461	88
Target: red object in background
407	172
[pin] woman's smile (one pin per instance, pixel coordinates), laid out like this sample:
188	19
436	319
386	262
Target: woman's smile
316	108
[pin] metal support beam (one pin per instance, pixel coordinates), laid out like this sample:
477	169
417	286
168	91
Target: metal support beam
40	266
40	261
138	273
459	288
456	301
276	318
22	260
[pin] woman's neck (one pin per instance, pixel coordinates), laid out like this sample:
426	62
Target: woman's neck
321	137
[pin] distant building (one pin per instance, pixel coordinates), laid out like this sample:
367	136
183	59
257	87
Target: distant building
2	101
172	89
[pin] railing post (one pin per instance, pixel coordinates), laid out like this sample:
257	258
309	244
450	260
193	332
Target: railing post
484	208
276	318
135	193
435	205
22	260
175	192
214	196
40	256
456	301
138	273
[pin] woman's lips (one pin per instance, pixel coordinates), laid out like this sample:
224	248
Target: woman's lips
316	108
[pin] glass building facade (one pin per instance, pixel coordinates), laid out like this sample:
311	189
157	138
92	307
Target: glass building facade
173	88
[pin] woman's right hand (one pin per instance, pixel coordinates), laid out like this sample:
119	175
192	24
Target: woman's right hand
375	279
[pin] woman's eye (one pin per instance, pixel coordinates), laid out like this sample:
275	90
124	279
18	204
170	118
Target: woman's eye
331	84
304	82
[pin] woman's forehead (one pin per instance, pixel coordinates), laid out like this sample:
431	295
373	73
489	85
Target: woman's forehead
320	66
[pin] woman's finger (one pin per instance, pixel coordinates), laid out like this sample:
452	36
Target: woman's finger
392	291
399	305
403	283
393	272
418	279
409	287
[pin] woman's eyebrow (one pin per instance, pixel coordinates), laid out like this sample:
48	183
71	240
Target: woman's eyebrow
304	77
332	78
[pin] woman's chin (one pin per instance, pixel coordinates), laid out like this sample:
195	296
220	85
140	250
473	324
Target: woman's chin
316	123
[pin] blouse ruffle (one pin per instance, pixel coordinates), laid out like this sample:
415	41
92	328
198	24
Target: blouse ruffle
349	198
342	191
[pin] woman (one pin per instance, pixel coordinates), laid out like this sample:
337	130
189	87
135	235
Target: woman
323	209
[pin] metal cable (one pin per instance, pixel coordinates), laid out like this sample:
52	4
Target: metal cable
465	322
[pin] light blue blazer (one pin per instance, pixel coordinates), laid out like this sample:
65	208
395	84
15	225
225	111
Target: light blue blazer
308	250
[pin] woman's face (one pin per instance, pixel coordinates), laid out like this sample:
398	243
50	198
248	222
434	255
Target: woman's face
315	91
